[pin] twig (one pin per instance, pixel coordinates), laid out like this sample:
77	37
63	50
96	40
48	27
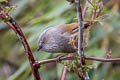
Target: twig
80	75
93	15
77	71
64	73
66	68
85	10
13	24
100	8
72	58
80	37
96	12
91	3
103	59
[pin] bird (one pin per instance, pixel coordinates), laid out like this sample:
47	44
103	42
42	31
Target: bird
56	39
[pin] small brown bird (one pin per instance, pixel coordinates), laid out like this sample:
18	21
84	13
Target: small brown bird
56	39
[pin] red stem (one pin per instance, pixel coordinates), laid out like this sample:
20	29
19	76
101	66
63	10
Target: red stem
13	24
66	68
72	58
28	51
103	59
93	15
64	73
85	10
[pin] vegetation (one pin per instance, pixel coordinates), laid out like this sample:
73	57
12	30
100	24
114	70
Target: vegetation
34	16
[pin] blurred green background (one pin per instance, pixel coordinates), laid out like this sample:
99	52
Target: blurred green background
34	16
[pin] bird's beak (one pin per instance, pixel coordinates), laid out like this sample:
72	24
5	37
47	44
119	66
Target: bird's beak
38	49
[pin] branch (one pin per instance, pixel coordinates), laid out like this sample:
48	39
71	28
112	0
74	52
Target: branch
81	25
66	68
64	73
81	47
38	63
100	8
91	3
13	24
85	10
103	59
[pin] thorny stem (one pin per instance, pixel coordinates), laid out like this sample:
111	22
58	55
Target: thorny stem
66	68
72	58
80	37
100	8
93	14
91	3
35	64
85	10
64	73
13	24
79	74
